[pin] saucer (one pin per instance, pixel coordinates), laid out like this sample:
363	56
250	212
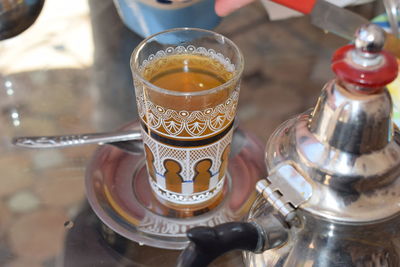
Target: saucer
118	190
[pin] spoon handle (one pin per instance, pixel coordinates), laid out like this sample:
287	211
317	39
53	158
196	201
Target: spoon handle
74	140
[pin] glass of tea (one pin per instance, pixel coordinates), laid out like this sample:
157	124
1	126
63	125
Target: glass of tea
187	84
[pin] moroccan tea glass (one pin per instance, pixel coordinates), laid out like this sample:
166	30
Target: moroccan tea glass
187	87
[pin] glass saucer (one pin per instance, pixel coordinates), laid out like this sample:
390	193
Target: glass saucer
118	191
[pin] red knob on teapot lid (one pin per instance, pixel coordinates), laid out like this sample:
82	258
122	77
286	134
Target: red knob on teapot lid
365	64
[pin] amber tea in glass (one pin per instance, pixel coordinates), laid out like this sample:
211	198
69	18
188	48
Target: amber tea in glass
187	87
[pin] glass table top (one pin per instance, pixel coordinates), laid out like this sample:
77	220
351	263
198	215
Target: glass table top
69	73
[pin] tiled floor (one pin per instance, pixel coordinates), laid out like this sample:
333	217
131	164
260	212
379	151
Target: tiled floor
287	63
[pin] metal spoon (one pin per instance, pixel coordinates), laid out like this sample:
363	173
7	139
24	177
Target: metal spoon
129	141
17	15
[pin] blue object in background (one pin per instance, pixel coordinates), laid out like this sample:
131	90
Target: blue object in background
146	17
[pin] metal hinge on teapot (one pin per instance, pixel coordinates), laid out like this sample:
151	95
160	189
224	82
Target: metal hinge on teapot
332	197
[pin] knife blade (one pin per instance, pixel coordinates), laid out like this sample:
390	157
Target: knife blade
337	20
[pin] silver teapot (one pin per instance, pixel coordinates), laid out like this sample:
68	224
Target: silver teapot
332	197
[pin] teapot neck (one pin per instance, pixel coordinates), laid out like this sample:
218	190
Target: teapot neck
350	121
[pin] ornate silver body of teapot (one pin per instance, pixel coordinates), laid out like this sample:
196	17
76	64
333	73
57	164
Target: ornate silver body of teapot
332	197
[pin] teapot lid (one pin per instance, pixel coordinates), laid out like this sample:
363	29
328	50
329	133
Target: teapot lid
365	64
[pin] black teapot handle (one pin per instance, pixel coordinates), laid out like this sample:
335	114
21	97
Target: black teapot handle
208	243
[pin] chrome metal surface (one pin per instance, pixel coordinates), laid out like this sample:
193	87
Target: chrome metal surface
275	198
275	232
370	38
345	152
352	217
349	122
286	190
16	16
75	140
327	243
